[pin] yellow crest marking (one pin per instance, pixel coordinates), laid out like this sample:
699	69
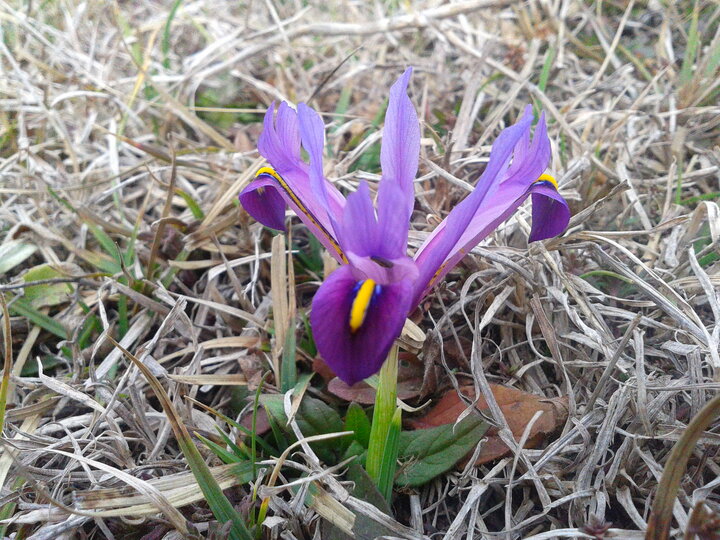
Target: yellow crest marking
547	178
360	304
286	188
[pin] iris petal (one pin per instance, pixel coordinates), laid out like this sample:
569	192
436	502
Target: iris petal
400	149
312	135
279	142
262	200
550	212
392	221
280	145
436	256
359	229
354	356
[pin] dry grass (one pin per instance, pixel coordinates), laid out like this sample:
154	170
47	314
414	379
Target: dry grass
109	112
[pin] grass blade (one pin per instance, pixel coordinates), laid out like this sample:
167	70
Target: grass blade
7	360
219	504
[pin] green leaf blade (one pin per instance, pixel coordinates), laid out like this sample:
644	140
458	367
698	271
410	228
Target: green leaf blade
430	452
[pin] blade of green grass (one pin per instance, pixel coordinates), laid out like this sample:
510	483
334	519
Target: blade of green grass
240	451
691	49
22	307
192	205
221	507
248	432
219	451
545	73
7	360
165	43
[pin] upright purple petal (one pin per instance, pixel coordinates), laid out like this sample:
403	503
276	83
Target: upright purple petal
376	247
366	234
354	356
433	258
317	208
279	142
312	135
400	144
359	232
393	221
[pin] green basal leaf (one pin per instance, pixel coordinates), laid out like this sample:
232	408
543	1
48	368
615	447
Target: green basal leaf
357	421
355	449
365	528
47	294
430	452
314	417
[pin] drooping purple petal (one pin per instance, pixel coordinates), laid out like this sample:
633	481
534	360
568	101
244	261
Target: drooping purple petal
433	257
550	212
400	145
354	356
262	200
550	218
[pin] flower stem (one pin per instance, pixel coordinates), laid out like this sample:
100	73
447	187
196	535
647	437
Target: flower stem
383	447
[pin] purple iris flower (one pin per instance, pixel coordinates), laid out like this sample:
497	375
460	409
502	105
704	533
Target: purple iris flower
361	308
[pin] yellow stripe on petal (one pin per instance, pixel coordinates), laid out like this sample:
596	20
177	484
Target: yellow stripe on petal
286	188
271	172
547	178
360	304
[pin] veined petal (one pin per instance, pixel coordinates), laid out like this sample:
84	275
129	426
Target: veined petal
375	247
435	256
271	188
312	135
359	229
393	221
356	354
400	145
279	142
550	218
317	208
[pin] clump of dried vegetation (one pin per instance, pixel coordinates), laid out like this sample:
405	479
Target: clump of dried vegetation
138	297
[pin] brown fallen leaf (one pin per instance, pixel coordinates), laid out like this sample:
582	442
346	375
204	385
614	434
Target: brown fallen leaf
410	380
321	368
364	394
517	406
262	423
